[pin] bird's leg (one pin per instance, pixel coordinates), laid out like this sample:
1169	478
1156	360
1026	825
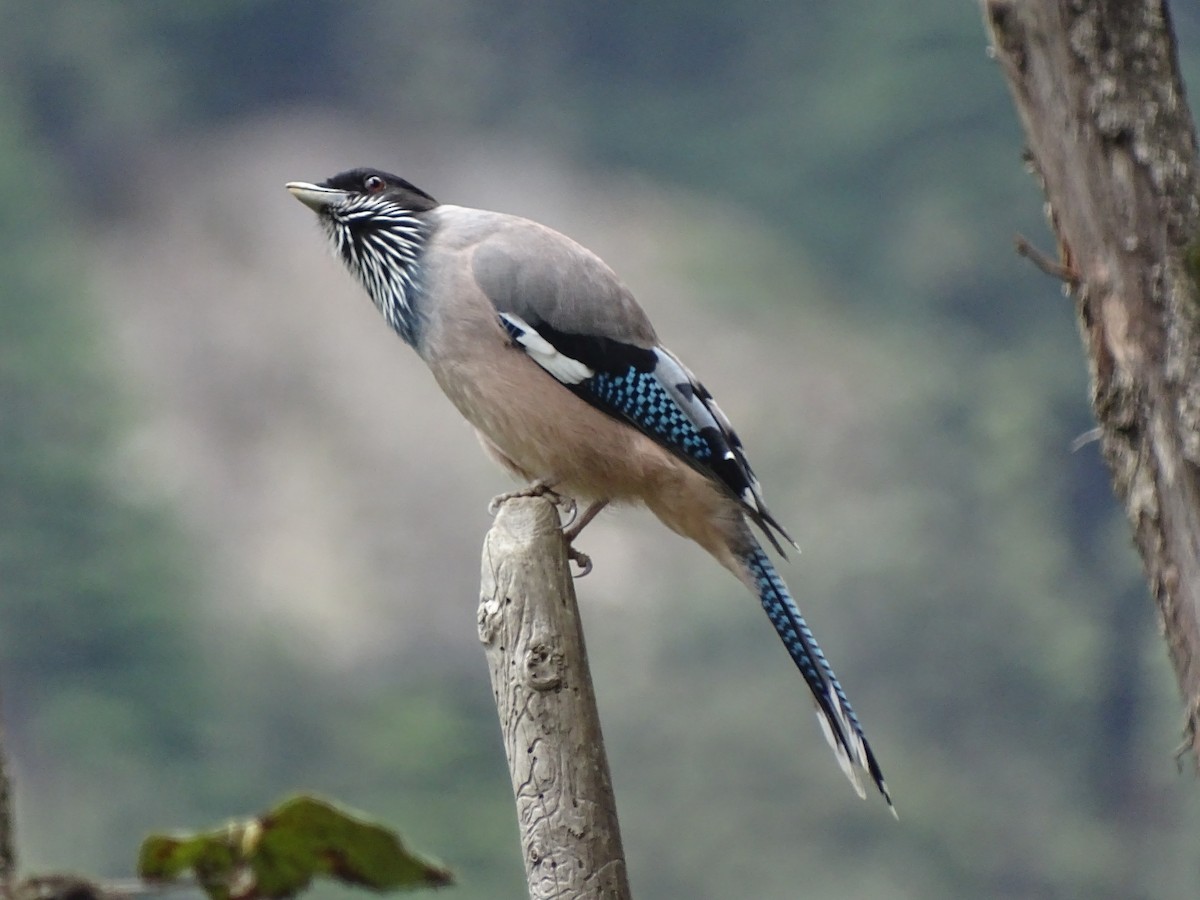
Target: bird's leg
577	524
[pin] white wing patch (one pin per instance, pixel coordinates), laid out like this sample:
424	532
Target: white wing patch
542	352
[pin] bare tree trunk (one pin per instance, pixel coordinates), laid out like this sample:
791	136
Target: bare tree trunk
529	625
1097	88
8	856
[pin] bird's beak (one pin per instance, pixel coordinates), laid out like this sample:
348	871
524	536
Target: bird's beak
316	197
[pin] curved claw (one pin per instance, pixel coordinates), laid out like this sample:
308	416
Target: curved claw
570	509
580	559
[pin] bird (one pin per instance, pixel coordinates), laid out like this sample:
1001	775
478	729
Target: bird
544	350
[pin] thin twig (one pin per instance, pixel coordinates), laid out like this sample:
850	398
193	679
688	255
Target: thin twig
1051	267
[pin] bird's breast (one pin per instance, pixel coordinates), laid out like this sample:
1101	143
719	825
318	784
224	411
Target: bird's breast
543	428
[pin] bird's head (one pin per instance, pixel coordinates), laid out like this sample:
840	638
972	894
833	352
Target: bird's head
373	220
361	193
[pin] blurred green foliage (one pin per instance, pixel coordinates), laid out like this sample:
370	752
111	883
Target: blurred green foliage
278	854
1022	705
94	588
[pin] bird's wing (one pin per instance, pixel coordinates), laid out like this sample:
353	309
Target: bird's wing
571	314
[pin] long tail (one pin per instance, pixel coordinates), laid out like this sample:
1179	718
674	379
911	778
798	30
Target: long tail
837	718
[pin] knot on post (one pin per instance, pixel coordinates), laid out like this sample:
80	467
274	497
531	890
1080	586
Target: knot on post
543	666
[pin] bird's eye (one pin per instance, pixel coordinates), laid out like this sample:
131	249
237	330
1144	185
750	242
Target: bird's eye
373	184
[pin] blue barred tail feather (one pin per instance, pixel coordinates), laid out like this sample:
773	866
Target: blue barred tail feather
837	718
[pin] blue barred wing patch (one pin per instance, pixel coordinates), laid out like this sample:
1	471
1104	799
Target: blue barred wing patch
649	388
642	399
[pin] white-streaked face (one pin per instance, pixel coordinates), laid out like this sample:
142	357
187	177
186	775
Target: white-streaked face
377	234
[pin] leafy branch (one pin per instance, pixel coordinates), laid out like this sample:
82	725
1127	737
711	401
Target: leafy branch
280	852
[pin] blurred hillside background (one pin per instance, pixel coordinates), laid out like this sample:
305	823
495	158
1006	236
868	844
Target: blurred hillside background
240	528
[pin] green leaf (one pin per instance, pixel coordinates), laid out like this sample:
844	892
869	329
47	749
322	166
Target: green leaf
279	853
213	857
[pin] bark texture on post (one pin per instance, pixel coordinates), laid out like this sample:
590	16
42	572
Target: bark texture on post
529	625
1098	91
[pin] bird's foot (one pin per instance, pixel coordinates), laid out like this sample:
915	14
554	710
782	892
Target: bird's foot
537	489
575	523
580	559
571	531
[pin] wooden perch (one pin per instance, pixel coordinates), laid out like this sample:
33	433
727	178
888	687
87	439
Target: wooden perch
530	629
1097	88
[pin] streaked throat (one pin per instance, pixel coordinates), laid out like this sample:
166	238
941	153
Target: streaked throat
383	248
